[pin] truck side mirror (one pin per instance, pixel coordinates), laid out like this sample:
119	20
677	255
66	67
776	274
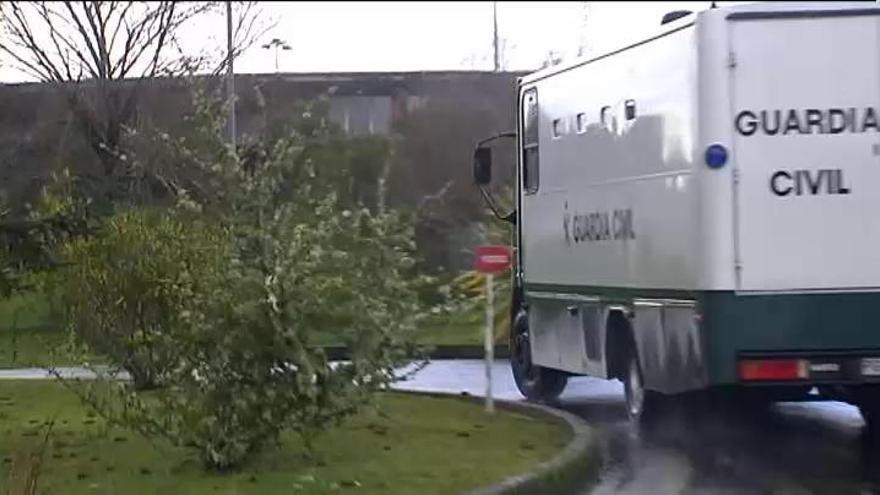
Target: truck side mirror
483	166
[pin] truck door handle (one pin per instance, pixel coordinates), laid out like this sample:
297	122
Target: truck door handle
572	309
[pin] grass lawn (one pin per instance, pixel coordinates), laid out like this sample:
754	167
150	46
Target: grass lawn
452	330
26	332
29	348
464	329
410	445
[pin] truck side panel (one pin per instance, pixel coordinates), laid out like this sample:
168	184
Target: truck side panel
615	211
615	206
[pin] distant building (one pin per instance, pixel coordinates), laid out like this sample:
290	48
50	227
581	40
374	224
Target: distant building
373	102
36	126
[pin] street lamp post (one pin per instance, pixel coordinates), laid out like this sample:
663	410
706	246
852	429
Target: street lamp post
276	44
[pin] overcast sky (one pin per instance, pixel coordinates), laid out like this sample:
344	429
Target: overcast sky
409	36
374	36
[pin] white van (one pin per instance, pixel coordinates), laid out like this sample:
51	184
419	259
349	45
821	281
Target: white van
702	209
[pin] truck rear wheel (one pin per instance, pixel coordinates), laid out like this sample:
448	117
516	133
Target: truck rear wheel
536	383
641	404
870	408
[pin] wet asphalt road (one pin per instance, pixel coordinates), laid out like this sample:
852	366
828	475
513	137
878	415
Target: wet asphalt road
790	448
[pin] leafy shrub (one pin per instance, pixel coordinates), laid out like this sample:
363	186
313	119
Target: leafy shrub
29	243
220	299
126	288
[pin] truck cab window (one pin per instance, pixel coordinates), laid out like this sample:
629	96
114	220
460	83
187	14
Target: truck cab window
530	141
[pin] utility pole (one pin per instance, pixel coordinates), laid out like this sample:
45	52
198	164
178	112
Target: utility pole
495	36
230	74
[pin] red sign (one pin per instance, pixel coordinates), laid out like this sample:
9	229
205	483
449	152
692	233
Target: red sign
493	259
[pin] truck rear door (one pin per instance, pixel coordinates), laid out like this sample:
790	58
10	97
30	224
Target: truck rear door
806	106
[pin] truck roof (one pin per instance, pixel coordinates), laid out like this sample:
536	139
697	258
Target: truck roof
754	10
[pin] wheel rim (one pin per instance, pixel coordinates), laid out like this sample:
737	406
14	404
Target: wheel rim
635	391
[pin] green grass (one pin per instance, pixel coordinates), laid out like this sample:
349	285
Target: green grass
29	348
412	444
29	310
27	334
465	329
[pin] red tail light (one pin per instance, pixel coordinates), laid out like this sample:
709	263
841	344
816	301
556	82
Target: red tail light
773	369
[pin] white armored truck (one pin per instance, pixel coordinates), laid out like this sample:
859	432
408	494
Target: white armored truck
701	210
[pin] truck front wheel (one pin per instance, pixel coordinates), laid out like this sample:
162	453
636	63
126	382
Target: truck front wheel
536	383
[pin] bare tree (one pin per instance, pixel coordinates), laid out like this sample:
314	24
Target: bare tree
99	53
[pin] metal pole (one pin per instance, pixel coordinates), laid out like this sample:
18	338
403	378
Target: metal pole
495	35
488	341
230	74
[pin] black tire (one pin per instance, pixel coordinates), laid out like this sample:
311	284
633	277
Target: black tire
642	405
867	398
870	409
535	383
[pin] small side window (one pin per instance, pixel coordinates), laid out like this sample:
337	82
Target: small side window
530	163
558	131
605	116
581	123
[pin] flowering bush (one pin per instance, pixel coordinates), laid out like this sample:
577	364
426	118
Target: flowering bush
274	249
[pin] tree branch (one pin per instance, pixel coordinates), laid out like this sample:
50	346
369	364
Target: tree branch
119	23
23	37
69	42
85	38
